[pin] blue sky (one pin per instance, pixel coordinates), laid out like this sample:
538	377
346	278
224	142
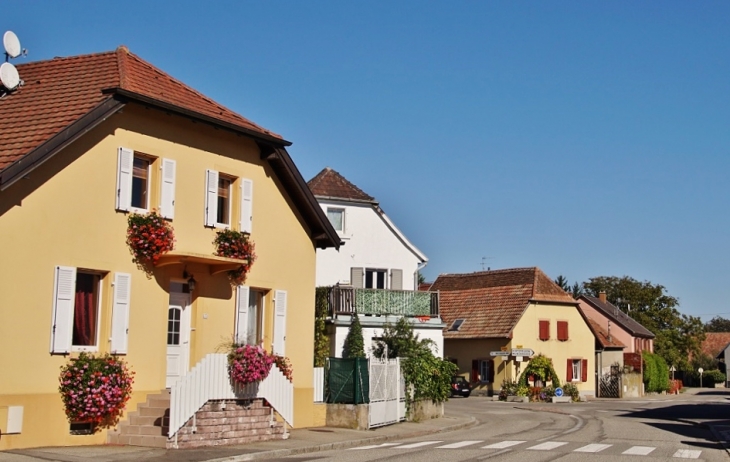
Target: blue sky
586	138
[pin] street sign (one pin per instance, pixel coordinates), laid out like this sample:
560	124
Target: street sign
672	369
499	353
700	370
558	392
522	352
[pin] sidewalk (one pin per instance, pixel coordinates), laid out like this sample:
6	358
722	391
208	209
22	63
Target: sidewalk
301	441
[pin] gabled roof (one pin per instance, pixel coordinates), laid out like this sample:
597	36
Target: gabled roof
715	342
492	302
64	98
617	316
603	339
329	184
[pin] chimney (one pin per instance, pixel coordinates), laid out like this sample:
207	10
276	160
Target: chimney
602	296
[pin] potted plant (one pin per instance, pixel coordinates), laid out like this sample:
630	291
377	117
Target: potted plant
284	365
238	245
95	389
149	237
248	364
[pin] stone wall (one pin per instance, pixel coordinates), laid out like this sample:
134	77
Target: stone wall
220	423
424	410
353	416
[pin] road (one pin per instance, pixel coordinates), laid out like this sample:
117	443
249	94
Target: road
659	429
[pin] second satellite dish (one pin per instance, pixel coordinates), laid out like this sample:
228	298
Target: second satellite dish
9	76
12	44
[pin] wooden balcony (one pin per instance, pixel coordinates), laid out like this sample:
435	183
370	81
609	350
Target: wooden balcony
348	300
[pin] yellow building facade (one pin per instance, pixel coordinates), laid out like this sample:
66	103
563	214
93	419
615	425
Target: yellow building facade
63	218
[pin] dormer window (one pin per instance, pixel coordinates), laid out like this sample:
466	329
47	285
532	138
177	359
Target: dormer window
336	217
456	325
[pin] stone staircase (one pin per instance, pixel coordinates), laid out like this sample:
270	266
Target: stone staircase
147	426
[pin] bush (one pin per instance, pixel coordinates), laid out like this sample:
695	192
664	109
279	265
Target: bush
354	344
656	373
571	390
540	367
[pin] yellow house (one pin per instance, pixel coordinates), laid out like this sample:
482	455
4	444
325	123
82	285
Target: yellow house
496	320
86	141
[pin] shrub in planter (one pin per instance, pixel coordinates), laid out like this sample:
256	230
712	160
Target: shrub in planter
712	377
571	390
248	364
149	237
95	389
235	244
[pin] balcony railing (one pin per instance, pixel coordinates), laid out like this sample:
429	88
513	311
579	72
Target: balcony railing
347	300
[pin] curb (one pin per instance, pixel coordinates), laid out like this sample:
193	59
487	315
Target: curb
277	453
722	437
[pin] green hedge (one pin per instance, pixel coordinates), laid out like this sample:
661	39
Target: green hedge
656	373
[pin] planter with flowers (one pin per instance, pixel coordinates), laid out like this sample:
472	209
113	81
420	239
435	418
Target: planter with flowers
248	364
95	389
149	237
235	244
284	365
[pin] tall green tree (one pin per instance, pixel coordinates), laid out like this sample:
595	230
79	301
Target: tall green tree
354	343
717	324
576	290
678	336
562	281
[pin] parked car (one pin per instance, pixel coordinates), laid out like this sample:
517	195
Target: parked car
460	387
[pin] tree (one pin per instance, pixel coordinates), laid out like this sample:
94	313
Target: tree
678	336
718	324
562	282
321	339
421	278
576	290
354	344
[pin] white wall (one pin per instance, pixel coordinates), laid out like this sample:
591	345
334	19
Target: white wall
428	330
368	243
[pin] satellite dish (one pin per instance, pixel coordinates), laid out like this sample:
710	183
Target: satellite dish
9	76
12	44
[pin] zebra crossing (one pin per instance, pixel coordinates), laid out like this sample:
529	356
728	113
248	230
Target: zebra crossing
622	449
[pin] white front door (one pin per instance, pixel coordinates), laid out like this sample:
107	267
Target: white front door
178	337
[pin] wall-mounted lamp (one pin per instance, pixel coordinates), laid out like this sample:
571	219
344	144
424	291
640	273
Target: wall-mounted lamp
190	280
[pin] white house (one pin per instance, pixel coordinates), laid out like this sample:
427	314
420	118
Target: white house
375	272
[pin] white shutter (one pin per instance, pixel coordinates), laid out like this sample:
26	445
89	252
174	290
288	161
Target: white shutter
120	313
242	293
356	278
246	205
211	197
396	279
167	193
280	323
125	165
64	294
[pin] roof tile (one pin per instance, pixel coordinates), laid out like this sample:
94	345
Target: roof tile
330	184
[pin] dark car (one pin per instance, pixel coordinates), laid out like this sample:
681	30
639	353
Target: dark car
460	387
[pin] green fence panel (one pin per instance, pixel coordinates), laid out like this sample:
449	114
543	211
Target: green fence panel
348	381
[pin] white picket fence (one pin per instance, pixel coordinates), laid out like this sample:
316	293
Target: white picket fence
209	380
318	384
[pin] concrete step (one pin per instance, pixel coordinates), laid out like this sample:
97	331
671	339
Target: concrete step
143	440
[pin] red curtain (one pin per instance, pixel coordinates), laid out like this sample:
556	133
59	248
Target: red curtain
85	311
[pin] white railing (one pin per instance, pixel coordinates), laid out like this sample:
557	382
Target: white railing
318	384
208	380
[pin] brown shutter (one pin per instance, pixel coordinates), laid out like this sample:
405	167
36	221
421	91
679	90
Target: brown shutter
491	371
569	376
544	330
584	370
563	330
474	370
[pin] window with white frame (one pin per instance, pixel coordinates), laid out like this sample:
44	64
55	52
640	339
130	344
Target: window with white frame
86	311
223	216
577	370
135	179
336	217
221	197
249	316
141	182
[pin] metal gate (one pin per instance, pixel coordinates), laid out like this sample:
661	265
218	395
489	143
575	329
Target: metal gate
610	386
387	393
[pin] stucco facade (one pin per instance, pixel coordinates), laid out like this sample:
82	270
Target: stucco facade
64	214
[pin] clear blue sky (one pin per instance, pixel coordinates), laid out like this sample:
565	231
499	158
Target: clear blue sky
586	138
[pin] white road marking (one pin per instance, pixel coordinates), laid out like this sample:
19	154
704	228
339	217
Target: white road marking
460	444
547	446
638	451
503	445
687	454
593	448
373	446
417	445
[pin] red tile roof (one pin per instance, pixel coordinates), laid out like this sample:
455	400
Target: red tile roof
611	312
491	302
715	342
602	336
59	91
330	184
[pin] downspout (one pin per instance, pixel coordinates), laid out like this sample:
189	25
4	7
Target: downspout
415	275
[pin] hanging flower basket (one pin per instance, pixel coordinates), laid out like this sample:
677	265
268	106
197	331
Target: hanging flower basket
149	237
248	364
284	365
95	389
235	244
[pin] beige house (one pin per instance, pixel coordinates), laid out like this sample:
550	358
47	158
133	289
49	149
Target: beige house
85	142
496	319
